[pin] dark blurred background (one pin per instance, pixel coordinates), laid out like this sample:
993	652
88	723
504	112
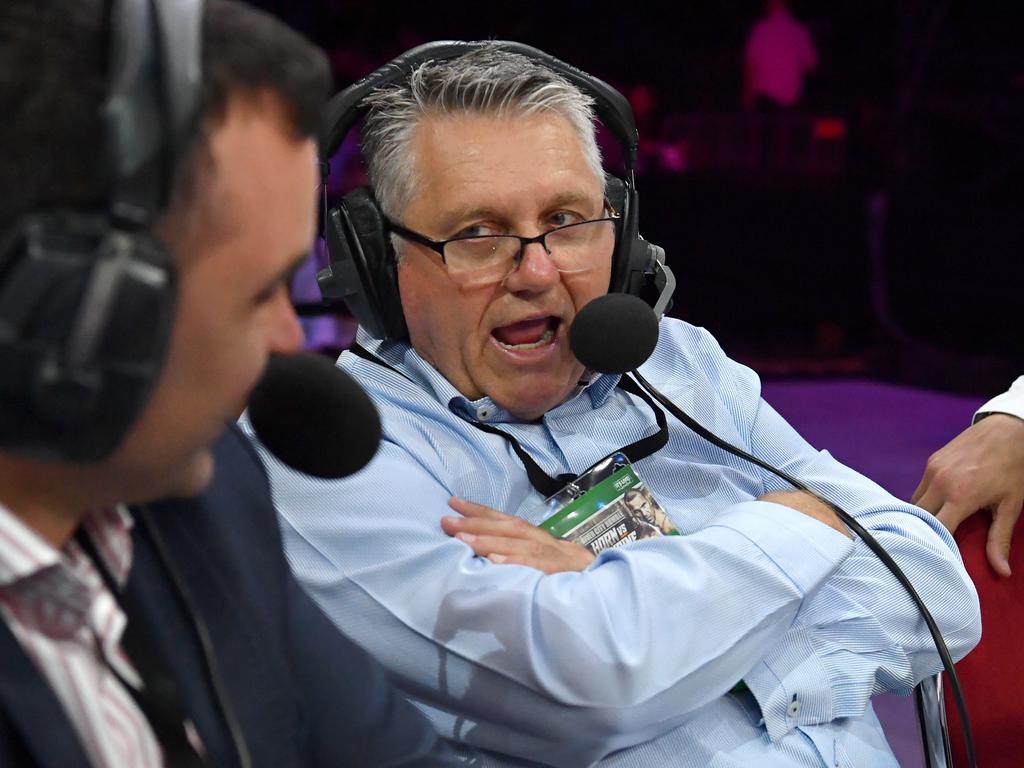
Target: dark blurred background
873	228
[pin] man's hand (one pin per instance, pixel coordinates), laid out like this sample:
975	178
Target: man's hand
981	468
810	506
503	538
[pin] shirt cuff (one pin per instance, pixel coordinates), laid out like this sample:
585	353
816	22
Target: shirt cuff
1011	402
775	683
804	549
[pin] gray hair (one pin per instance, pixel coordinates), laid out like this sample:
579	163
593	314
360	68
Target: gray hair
487	81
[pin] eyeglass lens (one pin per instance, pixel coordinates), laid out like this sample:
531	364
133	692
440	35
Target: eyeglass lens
489	259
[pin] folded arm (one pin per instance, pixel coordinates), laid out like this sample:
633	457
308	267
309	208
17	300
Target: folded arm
860	633
623	650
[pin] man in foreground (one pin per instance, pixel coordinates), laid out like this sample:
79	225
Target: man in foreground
529	646
147	616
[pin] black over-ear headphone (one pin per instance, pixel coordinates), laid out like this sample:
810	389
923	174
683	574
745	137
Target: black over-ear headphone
87	296
362	269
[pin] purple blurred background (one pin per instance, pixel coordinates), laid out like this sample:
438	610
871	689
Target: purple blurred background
872	228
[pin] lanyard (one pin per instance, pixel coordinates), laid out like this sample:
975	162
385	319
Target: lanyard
539	479
638	449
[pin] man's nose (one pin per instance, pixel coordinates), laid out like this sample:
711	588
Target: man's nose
286	333
536	270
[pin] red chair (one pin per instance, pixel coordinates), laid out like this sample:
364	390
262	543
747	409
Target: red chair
992	675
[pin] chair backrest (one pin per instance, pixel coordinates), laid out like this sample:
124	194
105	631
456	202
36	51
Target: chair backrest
931	715
992	675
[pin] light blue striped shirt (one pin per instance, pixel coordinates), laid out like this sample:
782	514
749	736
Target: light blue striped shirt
628	664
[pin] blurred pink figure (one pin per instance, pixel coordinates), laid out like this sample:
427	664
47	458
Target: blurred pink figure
779	52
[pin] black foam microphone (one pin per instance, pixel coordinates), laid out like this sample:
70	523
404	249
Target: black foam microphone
614	333
314	417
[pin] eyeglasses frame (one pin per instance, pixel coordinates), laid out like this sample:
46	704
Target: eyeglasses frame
438	245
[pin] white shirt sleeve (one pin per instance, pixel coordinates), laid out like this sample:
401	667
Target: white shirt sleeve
1011	402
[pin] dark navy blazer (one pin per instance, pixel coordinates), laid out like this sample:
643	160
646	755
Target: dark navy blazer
303	694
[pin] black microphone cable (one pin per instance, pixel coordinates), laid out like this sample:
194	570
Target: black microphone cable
867	538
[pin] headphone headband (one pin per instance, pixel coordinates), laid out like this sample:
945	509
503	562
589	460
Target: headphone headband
153	102
611	107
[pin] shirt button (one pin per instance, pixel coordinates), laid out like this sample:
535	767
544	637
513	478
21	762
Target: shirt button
484	412
794	707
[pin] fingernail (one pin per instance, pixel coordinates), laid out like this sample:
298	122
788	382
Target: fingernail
469	538
497	558
451	520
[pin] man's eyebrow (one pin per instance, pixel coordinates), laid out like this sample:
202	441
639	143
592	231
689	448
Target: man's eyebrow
453	218
568	198
285	275
470	213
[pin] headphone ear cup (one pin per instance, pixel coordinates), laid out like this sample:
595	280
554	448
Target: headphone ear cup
615	192
632	254
88	312
363	272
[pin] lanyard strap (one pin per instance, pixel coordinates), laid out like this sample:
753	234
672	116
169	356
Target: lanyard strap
160	699
539	479
638	449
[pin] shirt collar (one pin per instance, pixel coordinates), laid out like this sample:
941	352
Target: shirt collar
23	552
408	361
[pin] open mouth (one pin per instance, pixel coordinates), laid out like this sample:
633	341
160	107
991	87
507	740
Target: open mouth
527	334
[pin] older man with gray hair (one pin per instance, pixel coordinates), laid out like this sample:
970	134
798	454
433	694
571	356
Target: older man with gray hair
755	638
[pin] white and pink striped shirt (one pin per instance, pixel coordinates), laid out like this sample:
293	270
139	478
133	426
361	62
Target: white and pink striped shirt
70	625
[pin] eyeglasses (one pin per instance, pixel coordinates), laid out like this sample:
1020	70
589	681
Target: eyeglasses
478	260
